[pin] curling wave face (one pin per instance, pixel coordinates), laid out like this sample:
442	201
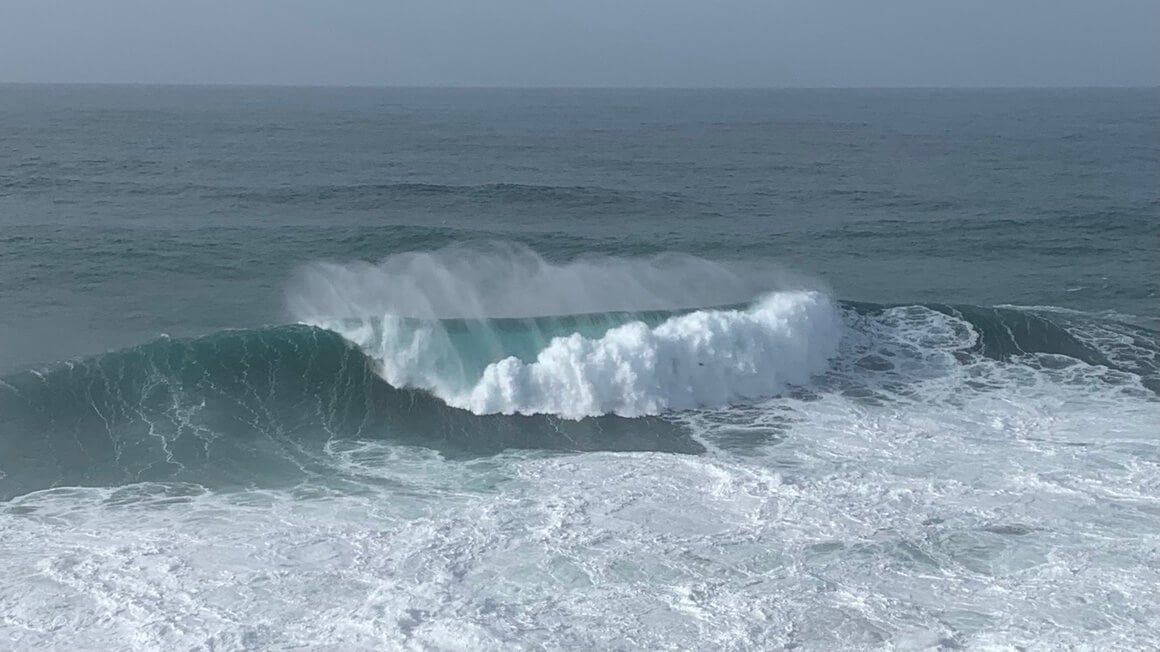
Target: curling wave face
245	407
382	356
586	338
701	358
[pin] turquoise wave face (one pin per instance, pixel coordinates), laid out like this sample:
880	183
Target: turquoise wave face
250	407
258	407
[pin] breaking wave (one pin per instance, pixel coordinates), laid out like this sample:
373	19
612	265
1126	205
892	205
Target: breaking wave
697	359
597	336
241	407
455	353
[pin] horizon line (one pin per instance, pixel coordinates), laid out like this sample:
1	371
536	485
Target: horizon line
325	86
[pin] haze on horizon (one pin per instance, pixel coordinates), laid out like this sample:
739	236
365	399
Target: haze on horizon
601	43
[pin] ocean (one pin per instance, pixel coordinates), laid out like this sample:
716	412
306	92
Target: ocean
435	369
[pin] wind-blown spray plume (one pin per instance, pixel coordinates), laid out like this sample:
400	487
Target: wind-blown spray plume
499	329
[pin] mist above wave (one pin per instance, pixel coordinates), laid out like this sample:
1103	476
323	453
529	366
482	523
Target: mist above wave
496	280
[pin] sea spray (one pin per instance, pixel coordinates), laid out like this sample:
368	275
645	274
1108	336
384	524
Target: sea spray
489	280
701	358
495	328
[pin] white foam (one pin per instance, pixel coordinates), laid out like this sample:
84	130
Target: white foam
710	357
704	358
926	498
394	309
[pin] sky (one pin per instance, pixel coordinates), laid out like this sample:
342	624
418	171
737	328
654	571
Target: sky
581	43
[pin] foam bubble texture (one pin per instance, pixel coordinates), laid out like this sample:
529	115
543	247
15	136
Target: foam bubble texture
704	358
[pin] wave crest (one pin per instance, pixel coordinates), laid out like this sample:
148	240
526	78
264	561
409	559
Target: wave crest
467	324
701	358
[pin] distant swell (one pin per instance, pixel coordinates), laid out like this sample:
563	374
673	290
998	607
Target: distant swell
351	196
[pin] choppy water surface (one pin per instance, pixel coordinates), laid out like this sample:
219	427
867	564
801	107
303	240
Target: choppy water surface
365	369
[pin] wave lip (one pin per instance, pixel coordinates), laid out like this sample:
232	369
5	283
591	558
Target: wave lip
699	359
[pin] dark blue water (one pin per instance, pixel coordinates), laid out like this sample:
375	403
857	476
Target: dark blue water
484	369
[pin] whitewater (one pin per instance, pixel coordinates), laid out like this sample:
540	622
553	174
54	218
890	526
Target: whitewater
620	364
392	434
366	369
705	358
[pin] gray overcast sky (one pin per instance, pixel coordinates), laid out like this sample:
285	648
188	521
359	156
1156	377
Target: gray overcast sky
584	42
